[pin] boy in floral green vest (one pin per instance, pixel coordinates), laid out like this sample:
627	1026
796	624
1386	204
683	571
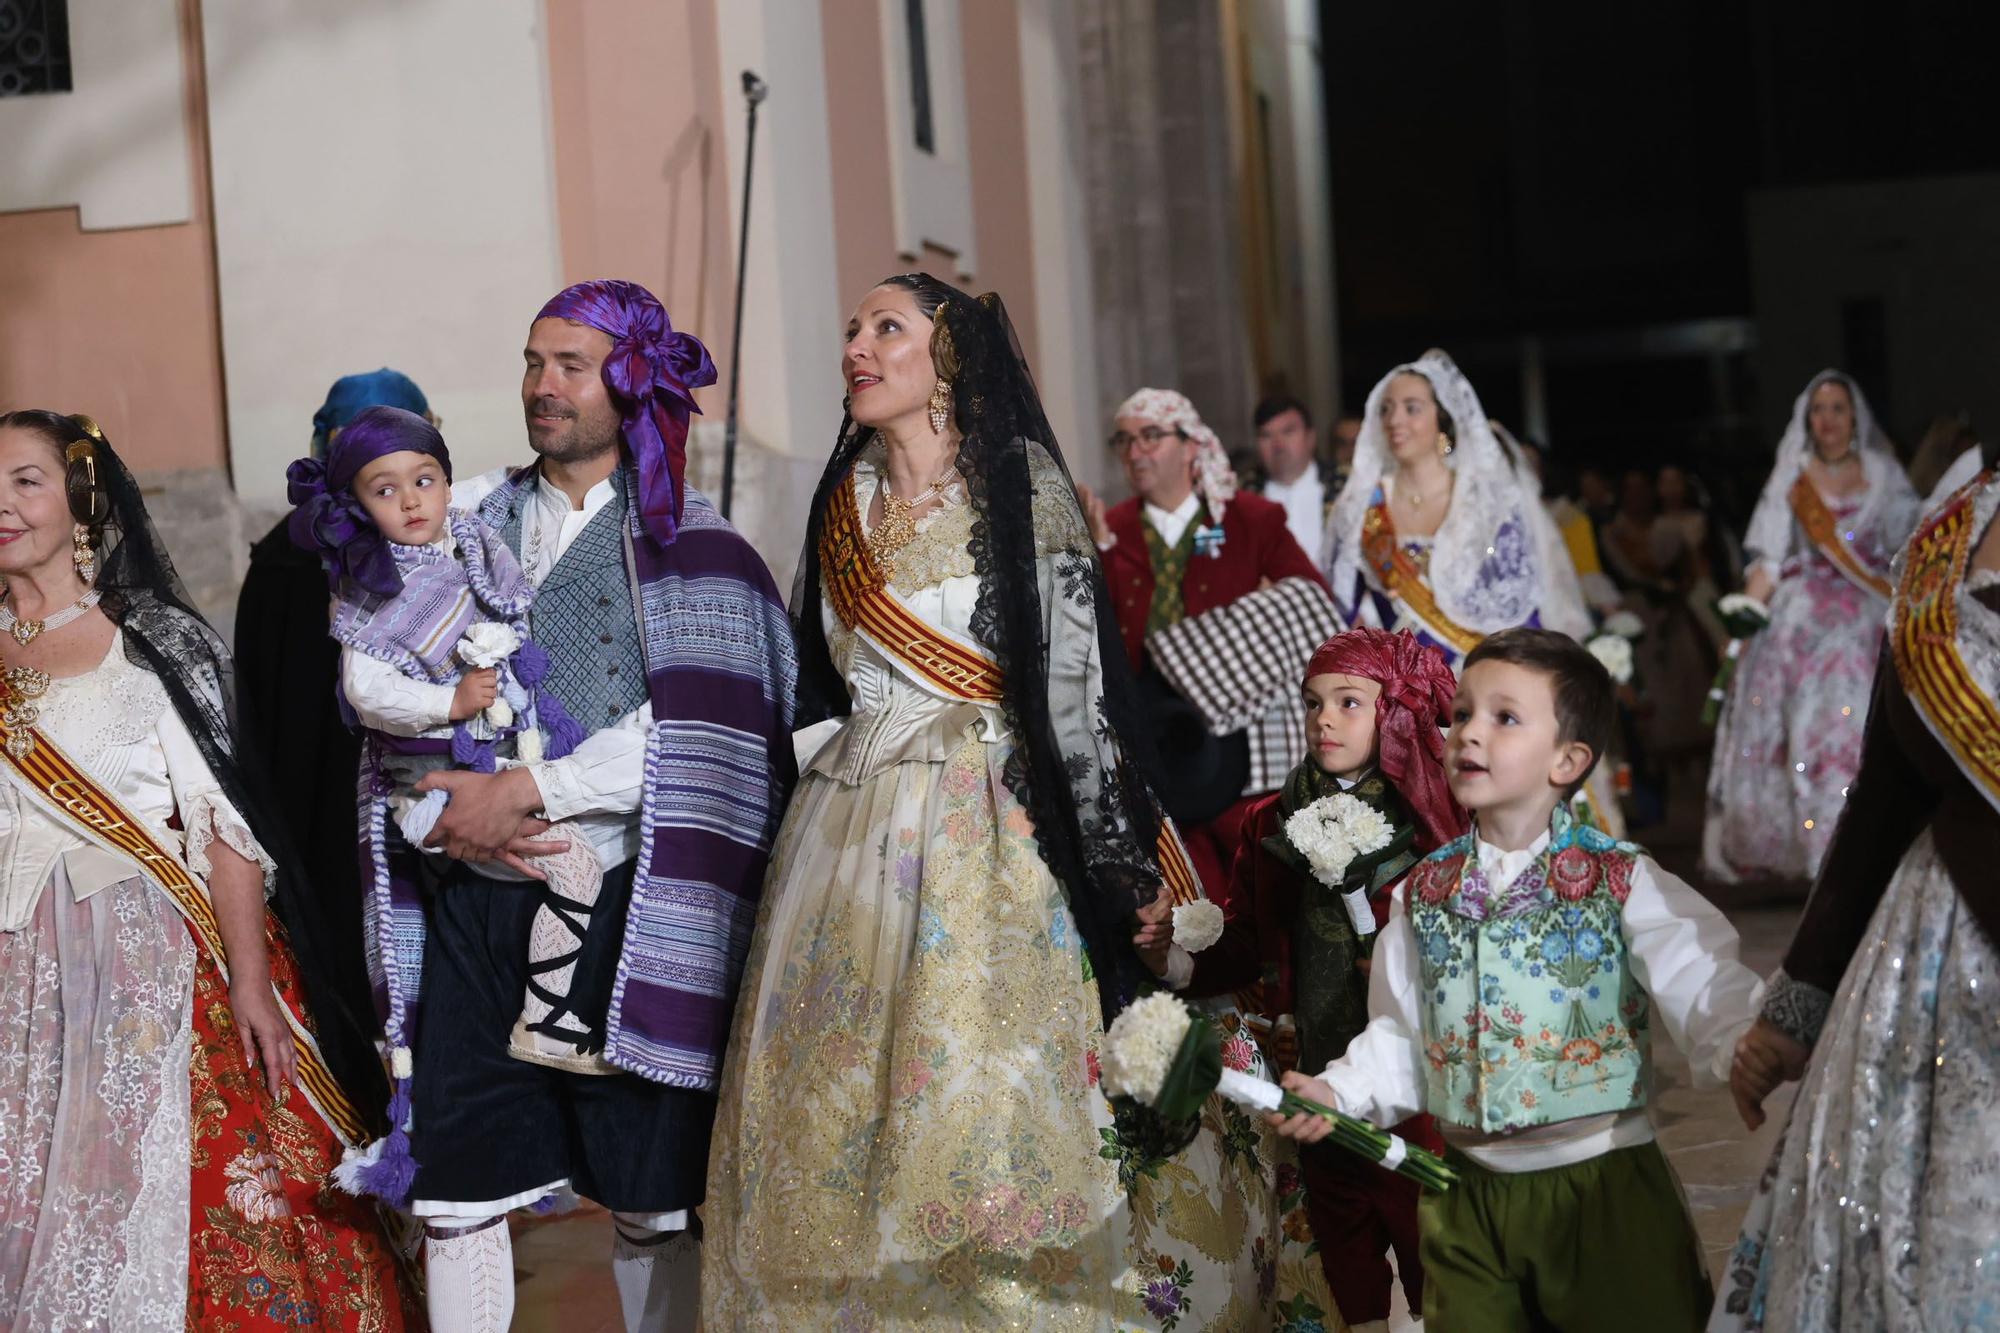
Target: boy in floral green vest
1509	997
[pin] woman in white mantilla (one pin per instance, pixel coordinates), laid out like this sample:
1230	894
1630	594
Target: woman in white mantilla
910	1134
1834	513
1439	531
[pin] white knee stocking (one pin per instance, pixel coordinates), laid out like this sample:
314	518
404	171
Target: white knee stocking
469	1271
658	1274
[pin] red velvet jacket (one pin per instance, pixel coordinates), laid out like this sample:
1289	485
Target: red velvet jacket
1262	904
1256	545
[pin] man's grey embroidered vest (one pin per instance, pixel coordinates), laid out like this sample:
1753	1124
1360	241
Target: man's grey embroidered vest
584	619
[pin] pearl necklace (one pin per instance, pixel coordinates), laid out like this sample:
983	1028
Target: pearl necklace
896	528
25	631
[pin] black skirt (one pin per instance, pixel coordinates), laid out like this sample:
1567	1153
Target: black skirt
488	1127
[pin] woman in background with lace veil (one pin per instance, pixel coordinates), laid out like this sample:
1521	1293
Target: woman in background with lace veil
1439	532
149	1003
910	1133
1834	513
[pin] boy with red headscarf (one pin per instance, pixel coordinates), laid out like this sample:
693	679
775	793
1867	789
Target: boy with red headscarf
1375	703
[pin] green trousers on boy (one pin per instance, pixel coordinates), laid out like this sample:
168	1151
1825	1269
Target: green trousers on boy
1603	1244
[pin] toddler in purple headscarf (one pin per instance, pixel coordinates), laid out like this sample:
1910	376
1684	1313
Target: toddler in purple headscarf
430	609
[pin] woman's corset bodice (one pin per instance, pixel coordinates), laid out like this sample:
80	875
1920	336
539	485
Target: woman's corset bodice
893	719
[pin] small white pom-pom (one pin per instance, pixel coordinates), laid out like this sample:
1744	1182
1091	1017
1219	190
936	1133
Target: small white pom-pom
1197	925
400	1063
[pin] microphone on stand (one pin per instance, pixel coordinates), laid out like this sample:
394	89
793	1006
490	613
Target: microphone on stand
755	90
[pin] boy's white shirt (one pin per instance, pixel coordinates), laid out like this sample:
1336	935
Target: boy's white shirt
599	784
1683	954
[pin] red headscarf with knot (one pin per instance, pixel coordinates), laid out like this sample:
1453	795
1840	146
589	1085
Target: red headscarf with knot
1417	687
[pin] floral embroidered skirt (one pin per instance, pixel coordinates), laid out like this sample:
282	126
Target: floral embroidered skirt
1880	1208
910	1135
119	1058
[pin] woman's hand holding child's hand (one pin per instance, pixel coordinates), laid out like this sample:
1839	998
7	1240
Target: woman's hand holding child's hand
476	690
1304	1126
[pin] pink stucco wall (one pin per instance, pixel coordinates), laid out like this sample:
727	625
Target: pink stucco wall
641	180
122	325
996	141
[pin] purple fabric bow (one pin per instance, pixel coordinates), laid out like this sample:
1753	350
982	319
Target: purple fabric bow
652	373
327	516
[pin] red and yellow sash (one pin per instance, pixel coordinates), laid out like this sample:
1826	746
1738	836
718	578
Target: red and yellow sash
858	590
1824	532
1923	638
1399	574
92	813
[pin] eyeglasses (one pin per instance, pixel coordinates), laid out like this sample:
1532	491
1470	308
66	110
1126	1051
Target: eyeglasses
1150	439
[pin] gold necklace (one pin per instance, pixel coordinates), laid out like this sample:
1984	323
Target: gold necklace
897	527
21	691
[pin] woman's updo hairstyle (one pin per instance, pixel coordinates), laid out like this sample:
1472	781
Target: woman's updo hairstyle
931	296
75	440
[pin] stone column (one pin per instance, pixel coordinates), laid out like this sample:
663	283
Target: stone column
1161	190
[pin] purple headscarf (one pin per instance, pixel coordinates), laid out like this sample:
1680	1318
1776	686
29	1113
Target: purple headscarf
652	373
327	516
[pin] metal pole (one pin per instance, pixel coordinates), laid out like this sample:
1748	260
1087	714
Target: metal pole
754	91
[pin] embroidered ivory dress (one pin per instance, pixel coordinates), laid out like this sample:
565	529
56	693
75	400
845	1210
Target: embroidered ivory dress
118	1060
910	1134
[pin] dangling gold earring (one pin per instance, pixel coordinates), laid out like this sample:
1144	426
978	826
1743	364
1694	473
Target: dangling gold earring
85	557
940	406
1444	445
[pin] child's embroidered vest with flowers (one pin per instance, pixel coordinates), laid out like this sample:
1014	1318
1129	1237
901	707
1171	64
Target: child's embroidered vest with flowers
1531	1014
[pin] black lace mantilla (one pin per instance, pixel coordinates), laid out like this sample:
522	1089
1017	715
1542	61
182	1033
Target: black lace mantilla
1085	789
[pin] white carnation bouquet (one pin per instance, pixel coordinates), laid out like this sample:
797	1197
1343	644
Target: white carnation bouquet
1197	925
1614	651
1163	1055
1334	832
1743	616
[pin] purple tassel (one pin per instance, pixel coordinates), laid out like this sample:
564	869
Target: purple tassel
531	663
562	730
391	1175
468	752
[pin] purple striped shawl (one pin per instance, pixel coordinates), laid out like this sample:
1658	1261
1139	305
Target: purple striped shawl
722	673
416	630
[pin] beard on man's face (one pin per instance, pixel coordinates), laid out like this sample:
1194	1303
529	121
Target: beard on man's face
576	440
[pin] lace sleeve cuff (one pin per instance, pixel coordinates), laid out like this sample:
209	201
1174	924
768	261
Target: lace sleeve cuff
210	818
1796	1008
